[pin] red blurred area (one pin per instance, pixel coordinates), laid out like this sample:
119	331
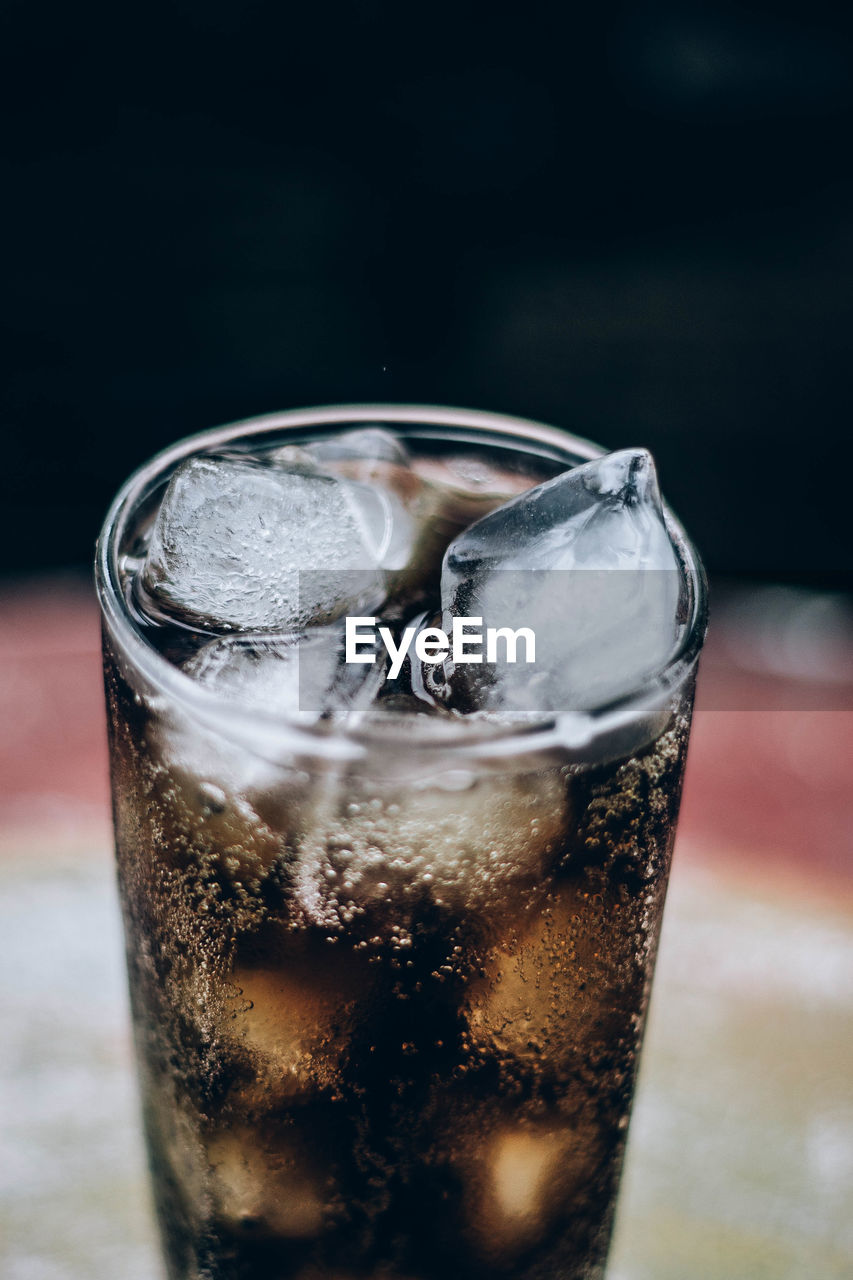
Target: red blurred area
53	753
772	788
767	786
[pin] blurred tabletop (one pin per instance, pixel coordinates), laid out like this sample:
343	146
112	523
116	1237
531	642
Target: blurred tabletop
740	1160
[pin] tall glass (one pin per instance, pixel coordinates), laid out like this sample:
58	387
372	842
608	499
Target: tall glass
388	986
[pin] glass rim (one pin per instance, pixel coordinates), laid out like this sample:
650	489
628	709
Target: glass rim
571	732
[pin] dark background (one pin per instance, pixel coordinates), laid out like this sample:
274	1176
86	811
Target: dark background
633	221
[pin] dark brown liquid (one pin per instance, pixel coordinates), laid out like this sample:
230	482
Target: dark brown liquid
345	1087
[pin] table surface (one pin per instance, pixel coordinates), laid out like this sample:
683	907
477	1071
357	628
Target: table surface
740	1160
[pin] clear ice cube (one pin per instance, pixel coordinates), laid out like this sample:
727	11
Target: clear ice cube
585	561
238	545
301	677
420	503
471	486
404	518
466	844
370	444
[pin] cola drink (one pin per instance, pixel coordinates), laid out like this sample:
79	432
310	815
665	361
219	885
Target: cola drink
390	938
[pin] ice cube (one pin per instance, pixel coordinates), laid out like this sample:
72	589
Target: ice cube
229	803
186	804
293	1009
267	1185
420	503
375	853
367	444
238	545
407	522
559	995
585	562
227	806
377	460
301	677
524	1178
471	485
428	500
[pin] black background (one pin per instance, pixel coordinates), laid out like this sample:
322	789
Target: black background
633	221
